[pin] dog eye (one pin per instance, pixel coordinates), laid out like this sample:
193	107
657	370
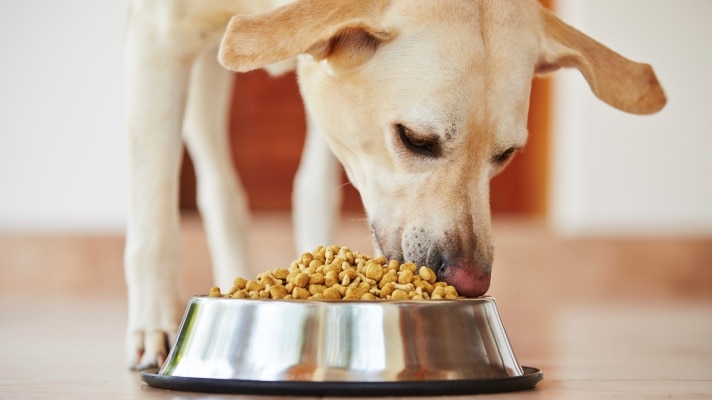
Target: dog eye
504	156
422	145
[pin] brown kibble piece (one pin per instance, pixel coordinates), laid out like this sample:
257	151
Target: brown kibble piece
316	289
387	289
300	293
268	280
301	280
351	273
356	292
316	279
306	258
427	274
280	273
373	270
315	264
409	266
331	278
331	293
277	291
388	277
405	276
252	286
239	283
450	292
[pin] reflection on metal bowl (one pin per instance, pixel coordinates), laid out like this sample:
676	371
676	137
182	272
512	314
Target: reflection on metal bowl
321	342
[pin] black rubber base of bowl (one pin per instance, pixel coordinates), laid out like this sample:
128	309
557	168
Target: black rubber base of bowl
343	389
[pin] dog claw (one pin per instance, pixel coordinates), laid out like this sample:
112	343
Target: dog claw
149	350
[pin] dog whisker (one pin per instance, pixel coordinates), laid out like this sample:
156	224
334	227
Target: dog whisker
344	184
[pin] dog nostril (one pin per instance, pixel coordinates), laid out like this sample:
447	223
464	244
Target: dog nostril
440	271
431	257
438	266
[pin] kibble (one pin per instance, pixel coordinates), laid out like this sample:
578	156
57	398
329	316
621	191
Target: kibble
338	273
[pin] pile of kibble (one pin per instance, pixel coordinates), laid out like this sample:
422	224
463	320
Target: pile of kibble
338	273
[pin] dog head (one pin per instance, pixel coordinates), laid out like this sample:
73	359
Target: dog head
424	102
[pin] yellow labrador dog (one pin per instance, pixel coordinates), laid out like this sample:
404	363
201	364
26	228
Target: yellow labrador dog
422	101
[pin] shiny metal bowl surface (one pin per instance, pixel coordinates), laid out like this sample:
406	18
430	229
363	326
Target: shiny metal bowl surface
342	341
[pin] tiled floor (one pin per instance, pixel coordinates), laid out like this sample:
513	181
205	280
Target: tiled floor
603	318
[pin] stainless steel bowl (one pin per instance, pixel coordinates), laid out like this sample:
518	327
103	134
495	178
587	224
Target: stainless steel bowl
380	342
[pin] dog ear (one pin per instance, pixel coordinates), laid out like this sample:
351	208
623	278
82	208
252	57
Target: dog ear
343	31
622	83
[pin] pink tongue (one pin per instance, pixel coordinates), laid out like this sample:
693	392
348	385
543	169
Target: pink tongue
468	282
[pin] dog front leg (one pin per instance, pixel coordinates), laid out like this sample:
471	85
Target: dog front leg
156	82
316	196
221	199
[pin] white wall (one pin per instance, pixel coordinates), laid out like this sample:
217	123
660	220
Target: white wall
62	147
618	173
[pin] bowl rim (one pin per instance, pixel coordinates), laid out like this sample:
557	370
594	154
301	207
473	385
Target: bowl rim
531	377
485	298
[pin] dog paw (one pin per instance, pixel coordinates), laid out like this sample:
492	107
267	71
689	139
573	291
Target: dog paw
148	349
152	326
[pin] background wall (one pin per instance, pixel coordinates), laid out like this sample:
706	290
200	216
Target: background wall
624	174
62	146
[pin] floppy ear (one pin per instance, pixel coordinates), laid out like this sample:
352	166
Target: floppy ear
624	84
345	30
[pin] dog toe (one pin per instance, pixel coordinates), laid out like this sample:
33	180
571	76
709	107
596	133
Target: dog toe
148	349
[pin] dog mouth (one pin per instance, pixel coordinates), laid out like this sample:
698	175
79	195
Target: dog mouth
468	271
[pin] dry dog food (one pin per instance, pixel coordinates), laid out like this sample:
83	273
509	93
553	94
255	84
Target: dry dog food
338	273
